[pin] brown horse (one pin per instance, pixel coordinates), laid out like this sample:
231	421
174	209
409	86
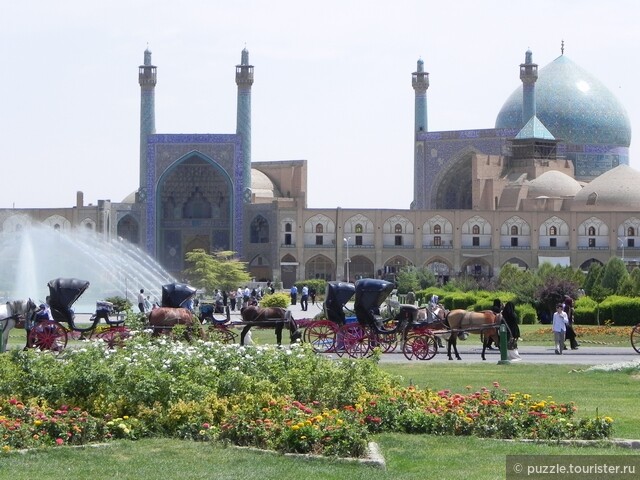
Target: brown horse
269	317
464	321
163	319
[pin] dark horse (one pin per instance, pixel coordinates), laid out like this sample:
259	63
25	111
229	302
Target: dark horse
461	321
163	319
276	317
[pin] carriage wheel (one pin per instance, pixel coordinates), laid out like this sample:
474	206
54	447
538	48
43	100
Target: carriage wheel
387	341
420	347
356	340
635	338
48	335
222	334
321	335
115	336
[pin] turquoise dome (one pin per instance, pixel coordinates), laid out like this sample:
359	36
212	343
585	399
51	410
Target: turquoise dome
576	107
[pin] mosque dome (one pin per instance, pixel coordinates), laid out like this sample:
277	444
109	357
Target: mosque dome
262	186
553	184
575	106
616	189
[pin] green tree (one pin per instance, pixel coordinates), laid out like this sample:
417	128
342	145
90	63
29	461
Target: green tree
614	274
216	270
593	278
407	281
521	282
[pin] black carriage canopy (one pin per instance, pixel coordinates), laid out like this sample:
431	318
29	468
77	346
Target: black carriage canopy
63	292
175	294
371	292
336	297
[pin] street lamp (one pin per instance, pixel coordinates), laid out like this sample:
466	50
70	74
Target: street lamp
622	241
348	259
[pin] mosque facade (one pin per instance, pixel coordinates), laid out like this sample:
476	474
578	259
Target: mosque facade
550	182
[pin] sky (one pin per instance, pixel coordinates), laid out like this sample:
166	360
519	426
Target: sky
332	83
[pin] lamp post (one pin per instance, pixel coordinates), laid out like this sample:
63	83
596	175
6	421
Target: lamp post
347	239
622	241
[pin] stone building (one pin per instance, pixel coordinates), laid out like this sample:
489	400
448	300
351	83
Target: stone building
549	183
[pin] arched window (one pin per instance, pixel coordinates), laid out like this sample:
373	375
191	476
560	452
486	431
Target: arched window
319	228
437	229
514	230
398	228
591	231
259	230
475	230
553	230
631	232
359	228
287	227
197	206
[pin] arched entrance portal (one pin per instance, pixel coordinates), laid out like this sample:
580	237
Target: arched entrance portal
288	270
193	210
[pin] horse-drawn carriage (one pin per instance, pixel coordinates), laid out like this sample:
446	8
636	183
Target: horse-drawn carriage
359	331
356	332
47	334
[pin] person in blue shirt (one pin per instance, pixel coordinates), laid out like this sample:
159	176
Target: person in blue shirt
304	299
294	295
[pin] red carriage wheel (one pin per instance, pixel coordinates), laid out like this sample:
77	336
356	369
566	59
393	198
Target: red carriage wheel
115	336
321	335
635	338
48	335
386	341
356	340
221	333
420	347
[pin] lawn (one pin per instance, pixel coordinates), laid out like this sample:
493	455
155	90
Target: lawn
407	456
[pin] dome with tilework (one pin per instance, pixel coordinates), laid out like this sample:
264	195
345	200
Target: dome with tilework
616	190
574	106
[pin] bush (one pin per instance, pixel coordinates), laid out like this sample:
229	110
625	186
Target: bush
620	310
281	300
526	314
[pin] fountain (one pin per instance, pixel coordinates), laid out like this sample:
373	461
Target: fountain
32	256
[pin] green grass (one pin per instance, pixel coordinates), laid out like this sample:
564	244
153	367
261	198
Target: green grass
407	457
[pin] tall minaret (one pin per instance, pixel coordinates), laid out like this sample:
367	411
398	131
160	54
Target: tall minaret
244	80
420	82
147	81
528	75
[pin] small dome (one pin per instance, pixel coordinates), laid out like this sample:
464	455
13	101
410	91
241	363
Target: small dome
616	189
262	186
131	198
575	106
553	184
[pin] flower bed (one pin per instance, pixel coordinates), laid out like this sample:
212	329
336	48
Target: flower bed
289	400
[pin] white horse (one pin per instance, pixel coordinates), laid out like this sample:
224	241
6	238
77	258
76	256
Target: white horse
10	312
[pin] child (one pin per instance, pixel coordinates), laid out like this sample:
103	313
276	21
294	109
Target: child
560	322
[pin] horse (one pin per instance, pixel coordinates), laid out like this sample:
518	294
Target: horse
463	321
9	315
163	319
269	317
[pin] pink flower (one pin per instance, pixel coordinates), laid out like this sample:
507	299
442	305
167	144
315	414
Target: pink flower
59	441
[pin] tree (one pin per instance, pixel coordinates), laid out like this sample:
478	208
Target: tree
521	282
216	270
593	279
614	274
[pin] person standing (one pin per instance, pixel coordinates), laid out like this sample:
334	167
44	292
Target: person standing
141	300
232	300
312	295
304	299
294	295
559	326
239	298
513	330
571	334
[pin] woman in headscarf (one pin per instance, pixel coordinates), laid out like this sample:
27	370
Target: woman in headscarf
513	330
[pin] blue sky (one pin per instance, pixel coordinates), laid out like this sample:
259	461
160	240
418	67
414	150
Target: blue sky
332	83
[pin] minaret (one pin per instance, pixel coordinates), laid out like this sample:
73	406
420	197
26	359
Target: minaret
528	75
147	81
420	82
244	80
